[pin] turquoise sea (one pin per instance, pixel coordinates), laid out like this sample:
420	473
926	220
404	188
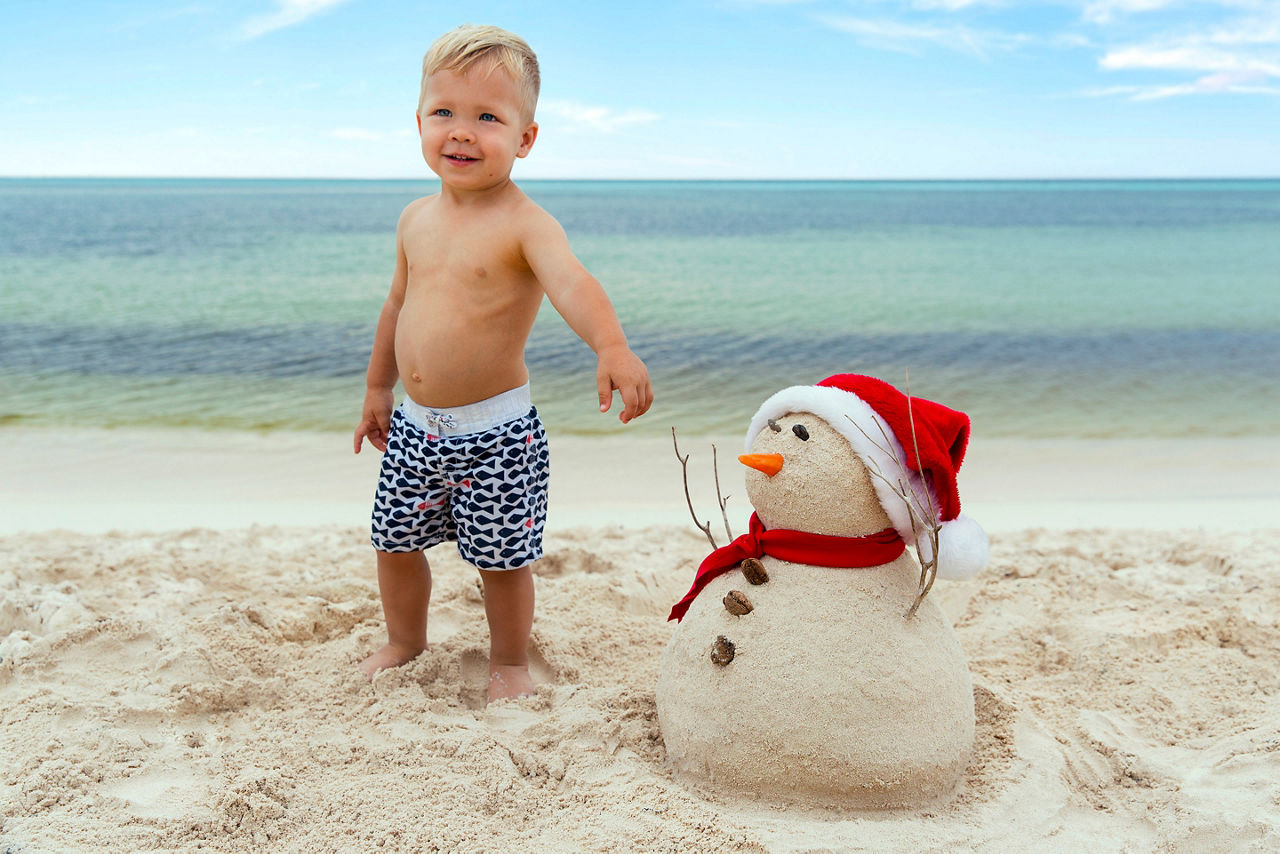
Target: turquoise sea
1107	308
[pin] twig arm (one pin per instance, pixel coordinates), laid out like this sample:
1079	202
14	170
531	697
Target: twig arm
929	568
684	469
715	467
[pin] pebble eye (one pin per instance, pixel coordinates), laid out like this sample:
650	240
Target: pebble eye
773	425
802	433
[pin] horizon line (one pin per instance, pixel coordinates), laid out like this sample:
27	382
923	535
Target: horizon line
833	180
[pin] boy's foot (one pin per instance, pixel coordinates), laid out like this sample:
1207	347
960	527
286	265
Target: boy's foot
389	656
508	681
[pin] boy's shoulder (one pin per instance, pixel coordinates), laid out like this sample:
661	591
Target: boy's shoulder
532	215
418	206
517	215
414	211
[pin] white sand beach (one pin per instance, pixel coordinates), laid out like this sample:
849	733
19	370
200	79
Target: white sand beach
182	612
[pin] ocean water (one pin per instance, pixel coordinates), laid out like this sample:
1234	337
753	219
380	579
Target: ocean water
1078	308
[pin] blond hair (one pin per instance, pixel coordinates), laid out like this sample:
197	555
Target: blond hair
458	50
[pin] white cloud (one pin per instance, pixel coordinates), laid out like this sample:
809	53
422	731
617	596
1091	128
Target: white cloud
1105	11
1214	84
951	5
894	35
358	134
1188	57
1178	47
1253	30
288	13
365	135
600	119
1211	84
151	17
1109	91
1239	52
948	5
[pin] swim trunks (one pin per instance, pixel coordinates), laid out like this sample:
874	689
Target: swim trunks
474	474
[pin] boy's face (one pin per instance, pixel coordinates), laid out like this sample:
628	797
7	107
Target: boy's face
473	127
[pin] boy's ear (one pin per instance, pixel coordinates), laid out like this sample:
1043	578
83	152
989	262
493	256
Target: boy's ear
526	139
418	116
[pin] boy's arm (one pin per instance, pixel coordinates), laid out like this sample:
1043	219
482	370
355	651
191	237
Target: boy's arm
380	379
582	302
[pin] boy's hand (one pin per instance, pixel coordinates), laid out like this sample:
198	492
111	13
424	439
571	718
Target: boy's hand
376	421
617	368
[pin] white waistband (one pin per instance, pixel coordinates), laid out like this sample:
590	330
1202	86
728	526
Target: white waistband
472	418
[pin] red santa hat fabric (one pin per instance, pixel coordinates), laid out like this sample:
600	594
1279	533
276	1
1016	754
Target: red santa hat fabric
877	420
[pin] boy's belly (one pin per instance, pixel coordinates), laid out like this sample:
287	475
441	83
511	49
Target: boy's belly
453	365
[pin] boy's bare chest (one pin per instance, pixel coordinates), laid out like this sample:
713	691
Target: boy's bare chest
441	259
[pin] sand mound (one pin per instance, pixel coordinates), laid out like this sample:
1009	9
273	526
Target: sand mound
173	690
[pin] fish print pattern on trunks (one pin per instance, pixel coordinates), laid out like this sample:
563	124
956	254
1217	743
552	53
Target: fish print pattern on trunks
487	491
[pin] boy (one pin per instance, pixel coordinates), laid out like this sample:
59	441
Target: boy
465	455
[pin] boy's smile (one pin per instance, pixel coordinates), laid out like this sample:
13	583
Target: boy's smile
473	127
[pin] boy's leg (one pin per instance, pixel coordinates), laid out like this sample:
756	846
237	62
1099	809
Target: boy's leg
508	605
404	582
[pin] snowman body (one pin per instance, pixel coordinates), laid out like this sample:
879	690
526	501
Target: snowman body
833	696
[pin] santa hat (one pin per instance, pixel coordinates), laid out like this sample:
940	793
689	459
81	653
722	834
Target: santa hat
875	418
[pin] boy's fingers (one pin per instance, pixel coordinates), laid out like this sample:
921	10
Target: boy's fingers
604	390
643	400
646	399
376	433
631	403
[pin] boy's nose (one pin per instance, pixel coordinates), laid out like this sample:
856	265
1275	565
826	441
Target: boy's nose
462	133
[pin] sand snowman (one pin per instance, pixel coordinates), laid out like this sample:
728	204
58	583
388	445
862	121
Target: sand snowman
799	671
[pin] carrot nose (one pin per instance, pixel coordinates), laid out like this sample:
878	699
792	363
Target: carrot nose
770	464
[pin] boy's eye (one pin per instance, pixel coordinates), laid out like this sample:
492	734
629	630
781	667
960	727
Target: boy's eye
488	117
442	112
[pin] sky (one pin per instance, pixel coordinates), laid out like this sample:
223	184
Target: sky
685	89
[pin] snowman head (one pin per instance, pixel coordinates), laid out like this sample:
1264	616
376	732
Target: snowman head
904	452
819	485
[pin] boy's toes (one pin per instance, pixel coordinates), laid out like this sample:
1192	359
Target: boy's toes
388	656
508	682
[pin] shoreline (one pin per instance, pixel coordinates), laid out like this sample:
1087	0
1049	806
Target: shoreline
135	479
95	480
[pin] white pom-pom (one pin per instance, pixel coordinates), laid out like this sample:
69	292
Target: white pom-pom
962	549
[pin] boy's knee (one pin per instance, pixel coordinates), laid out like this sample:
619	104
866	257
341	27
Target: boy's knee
401	560
518	577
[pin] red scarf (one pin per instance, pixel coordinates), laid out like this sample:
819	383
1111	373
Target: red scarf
796	547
